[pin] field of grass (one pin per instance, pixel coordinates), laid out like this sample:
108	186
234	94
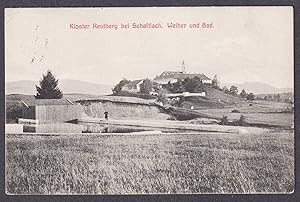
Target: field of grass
261	112
170	163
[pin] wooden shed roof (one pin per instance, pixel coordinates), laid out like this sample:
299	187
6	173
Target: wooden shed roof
40	102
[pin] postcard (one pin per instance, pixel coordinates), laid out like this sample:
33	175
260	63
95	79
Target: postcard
149	100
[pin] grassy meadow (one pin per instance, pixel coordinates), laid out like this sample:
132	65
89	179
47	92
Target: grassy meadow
260	112
141	164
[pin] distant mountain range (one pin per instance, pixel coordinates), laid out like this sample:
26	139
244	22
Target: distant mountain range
68	86
259	88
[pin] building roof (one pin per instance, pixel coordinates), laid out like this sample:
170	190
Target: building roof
180	75
133	83
183	76
167	74
39	102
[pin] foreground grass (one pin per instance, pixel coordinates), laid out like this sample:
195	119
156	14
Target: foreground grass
204	163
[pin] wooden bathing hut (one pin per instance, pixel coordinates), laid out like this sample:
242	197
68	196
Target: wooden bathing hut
51	110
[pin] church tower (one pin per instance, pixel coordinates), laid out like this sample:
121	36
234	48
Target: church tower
183	67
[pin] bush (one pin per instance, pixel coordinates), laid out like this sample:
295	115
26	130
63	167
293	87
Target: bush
13	111
118	88
242	121
138	95
177	101
225	90
233	90
146	86
161	96
235	111
250	97
243	94
288	110
224	121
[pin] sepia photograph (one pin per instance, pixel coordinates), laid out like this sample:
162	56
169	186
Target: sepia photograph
149	100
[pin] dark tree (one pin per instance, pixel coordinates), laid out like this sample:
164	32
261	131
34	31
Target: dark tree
118	88
191	85
215	83
48	88
270	97
225	89
242	121
161	96
233	90
243	93
169	86
224	121
180	101
277	97
197	82
250	97
146	86
156	87
178	87
13	111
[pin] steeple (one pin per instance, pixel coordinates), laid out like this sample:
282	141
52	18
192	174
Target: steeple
183	67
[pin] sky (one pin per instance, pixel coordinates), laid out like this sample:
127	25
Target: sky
244	44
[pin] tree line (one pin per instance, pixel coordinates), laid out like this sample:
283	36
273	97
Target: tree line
145	87
233	90
48	88
191	85
277	98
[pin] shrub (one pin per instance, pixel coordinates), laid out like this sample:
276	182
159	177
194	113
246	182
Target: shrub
118	88
233	90
224	120
138	95
215	83
171	118
146	86
13	111
225	90
180	101
288	110
242	121
161	96
243	94
235	111
250	97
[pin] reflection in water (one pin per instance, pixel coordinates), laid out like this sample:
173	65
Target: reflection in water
80	128
54	128
107	128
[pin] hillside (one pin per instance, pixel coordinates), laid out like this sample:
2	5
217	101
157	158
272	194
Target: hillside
74	97
214	99
220	96
68	86
119	107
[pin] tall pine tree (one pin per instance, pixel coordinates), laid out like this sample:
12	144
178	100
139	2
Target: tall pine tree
215	83
48	88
